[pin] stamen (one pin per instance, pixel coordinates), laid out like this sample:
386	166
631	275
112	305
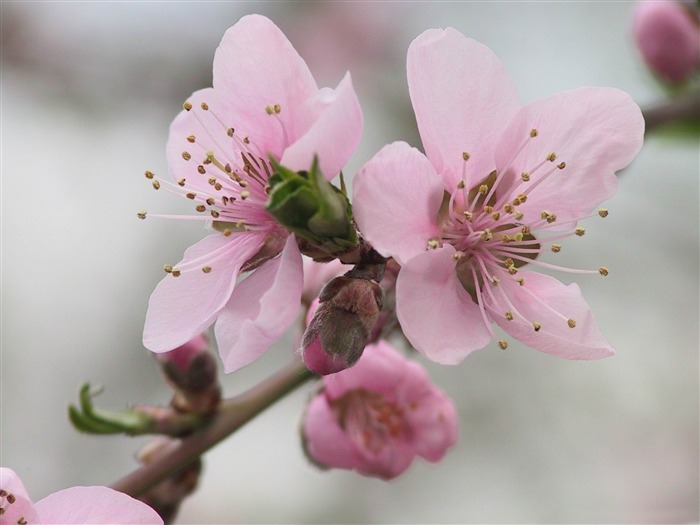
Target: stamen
503	344
149	174
556	248
141	214
603	271
537	326
187	106
603	212
571	323
206	269
580	231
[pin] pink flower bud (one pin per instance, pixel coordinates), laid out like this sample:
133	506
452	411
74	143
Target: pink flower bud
377	416
668	38
341	324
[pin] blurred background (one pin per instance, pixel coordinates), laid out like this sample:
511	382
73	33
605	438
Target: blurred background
88	93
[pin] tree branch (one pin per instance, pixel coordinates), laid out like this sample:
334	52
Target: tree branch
232	415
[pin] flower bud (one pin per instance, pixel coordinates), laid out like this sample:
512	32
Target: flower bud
667	37
191	371
341	325
306	204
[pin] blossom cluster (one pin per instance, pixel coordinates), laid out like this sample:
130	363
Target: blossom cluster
445	245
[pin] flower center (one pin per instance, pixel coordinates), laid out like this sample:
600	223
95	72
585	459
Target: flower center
493	238
369	419
6	500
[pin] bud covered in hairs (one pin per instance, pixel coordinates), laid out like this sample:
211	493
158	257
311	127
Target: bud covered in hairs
190	370
341	326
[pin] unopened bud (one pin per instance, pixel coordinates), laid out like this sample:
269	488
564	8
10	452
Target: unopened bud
341	325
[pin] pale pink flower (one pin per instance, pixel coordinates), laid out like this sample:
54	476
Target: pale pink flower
264	103
377	416
73	505
541	168
668	38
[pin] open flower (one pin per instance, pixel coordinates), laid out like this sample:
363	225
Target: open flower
376	417
498	186
264	103
73	505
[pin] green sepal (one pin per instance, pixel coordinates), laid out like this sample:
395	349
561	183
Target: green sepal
308	205
87	418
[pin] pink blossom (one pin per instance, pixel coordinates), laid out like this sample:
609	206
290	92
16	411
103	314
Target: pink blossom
499	186
377	416
264	102
73	505
668	38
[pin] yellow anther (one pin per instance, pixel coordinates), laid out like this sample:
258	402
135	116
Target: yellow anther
175	272
483	189
227	232
520	281
200	208
509	315
187	106
227	168
534	133
552	156
457	256
211	181
206	269
181	182
218	186
512	270
468	215
556	248
536	326
245	194
168	268
496	215
277	108
186	155
465	155
526	230
243	183
156	185
603	212
506	239
215	214
191	195
518	237
495	280
433	244
571	323
603	271
488	209
269	109
521	198
503	344
246	140
201	169
486	235
460	185
508	262
580	231
210	201
230	132
561	165
141	214
508	208
149	174
518	215
204	106
191	139
525	176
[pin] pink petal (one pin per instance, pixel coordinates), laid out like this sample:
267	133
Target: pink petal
435	424
325	441
436	314
258	66
381	369
333	137
463	98
262	307
397	196
594	131
547	301
182	307
95	505
22	506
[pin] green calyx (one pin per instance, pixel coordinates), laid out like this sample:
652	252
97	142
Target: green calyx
312	208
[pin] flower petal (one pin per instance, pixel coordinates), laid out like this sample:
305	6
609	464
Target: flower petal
181	308
262	307
324	440
435	420
436	314
22	506
334	135
463	99
547	301
396	200
257	63
95	505
594	131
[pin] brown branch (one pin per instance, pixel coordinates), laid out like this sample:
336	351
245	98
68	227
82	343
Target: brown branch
680	108
232	415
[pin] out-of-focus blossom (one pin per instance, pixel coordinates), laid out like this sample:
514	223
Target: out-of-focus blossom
264	102
376	417
96	505
668	35
462	219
